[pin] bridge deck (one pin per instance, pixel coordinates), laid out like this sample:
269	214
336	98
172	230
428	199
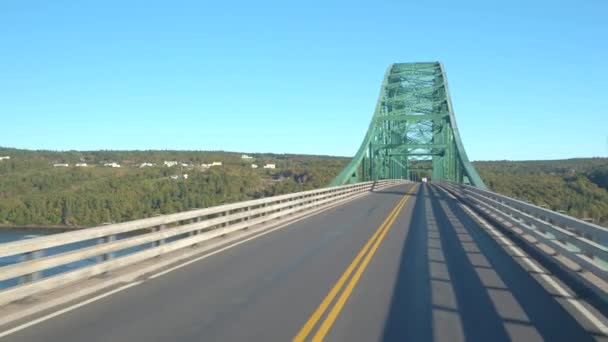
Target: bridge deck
435	275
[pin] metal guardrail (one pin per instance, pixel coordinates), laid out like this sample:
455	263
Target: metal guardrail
154	236
582	242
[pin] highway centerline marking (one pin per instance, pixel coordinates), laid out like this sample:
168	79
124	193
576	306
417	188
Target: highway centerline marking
339	284
366	253
181	265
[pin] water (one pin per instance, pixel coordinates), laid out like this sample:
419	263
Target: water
8	235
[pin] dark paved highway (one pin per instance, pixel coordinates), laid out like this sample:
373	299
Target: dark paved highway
389	266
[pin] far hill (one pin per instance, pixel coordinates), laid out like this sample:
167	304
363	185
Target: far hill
577	186
86	188
35	192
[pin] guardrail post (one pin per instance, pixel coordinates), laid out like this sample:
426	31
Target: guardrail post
32	276
190	221
198	219
106	239
224	214
158	229
246	218
193	220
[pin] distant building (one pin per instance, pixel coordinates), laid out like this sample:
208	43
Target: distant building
184	164
112	164
205	166
61	165
185	176
175	177
254	166
244	156
81	165
216	164
270	166
146	164
170	163
6	157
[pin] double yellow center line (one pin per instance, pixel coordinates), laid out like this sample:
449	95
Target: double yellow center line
365	254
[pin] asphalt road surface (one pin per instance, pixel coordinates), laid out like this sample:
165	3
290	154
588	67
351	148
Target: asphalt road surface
402	264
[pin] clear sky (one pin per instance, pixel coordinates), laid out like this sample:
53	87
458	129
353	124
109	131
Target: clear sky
528	78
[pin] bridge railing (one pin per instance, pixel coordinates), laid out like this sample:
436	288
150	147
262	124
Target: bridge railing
583	243
110	247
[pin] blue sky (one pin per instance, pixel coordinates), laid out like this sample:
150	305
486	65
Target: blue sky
528	78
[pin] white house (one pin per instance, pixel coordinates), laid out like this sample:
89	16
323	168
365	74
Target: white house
254	166
175	177
185	176
170	163
184	164
146	164
6	157
81	165
244	156
270	166
206	166
61	165
112	164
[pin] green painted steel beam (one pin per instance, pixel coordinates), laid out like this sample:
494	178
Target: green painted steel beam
413	118
421	169
409	146
418	154
402	101
413	113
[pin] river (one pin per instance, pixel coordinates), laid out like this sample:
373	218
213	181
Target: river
8	235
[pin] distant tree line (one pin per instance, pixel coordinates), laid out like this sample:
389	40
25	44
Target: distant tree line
577	186
32	192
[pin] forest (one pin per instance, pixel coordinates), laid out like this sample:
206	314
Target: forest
33	192
578	187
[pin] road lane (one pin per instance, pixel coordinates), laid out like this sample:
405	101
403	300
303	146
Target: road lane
346	285
434	275
262	290
440	277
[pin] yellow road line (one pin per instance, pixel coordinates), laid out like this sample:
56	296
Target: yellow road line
335	311
334	291
314	318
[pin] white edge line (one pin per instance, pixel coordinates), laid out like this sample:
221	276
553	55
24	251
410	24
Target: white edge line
549	279
62	311
253	237
227	247
109	293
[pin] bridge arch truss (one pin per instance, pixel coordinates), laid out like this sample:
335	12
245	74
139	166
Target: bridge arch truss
413	131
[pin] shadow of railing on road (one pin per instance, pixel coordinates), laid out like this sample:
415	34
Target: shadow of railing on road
446	289
520	300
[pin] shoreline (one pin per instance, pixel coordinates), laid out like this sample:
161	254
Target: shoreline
38	227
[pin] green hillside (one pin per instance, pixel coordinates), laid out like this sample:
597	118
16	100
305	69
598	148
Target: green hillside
577	186
34	192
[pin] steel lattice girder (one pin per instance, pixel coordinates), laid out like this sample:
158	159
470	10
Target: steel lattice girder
413	122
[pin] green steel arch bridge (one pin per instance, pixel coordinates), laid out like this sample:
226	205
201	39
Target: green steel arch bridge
378	256
413	131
